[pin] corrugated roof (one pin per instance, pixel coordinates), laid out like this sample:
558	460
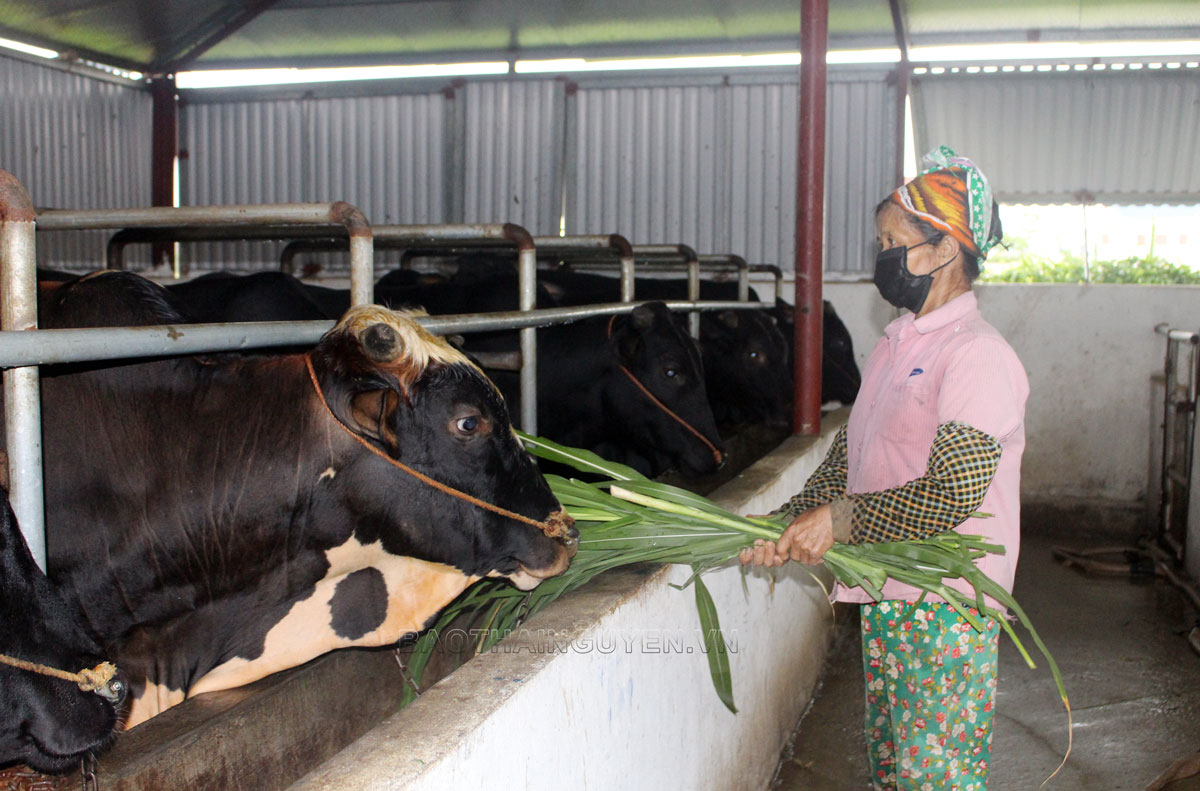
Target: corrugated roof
168	34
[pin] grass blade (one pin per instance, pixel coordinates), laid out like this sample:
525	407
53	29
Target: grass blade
714	643
580	459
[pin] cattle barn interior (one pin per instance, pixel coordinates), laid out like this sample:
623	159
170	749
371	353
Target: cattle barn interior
489	156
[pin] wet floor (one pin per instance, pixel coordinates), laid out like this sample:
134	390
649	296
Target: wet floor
1133	682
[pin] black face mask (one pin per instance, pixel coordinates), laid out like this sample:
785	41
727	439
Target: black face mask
899	286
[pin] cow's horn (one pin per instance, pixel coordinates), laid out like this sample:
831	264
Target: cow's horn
381	342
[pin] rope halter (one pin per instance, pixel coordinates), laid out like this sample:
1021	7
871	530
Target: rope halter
100	679
557	525
717	454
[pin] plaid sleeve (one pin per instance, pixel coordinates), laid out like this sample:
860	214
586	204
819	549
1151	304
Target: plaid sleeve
962	462
825	485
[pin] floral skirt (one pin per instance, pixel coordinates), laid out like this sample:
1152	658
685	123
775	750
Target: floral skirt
931	691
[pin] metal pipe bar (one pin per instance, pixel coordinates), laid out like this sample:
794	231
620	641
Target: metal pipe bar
440	236
743	270
22	387
690	259
340	214
1177	335
527	301
617	244
436	237
50	347
773	270
810	200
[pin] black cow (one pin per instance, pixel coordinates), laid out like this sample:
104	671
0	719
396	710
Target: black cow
840	378
46	723
745	356
629	387
262	296
746	368
221	518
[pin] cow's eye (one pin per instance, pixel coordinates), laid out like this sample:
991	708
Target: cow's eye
467	425
754	355
670	372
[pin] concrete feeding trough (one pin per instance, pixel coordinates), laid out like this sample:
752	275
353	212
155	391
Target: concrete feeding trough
607	682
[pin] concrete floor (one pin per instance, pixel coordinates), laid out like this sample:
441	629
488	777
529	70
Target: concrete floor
1133	682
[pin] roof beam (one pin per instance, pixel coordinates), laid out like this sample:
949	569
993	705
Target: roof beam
189	47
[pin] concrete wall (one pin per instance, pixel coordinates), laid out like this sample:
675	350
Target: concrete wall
1089	352
609	687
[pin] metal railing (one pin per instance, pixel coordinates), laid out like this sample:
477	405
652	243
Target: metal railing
1182	383
23	347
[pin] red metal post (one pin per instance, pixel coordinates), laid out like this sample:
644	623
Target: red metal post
810	213
164	149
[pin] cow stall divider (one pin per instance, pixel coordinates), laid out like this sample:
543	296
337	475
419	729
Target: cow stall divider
23	347
775	272
681	254
388	237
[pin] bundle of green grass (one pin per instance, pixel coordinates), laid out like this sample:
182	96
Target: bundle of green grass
626	518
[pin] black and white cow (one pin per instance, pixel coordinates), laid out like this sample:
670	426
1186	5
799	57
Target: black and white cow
46	723
220	518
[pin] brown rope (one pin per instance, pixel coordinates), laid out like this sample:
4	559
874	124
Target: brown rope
555	526
94	679
720	457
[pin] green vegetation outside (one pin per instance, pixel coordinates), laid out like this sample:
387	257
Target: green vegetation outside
1018	265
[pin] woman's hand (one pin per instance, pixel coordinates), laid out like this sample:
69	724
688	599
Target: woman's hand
806	539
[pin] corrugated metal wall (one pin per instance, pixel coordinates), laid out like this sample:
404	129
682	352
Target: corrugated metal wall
387	155
703	161
651	164
714	166
512	135
74	142
706	163
1063	137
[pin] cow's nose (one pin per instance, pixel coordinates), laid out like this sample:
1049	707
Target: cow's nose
571	541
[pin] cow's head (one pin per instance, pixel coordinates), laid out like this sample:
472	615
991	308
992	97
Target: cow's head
840	378
746	366
839	372
423	403
46	723
679	430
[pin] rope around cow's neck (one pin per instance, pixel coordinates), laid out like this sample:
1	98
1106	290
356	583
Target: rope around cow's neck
720	457
94	679
554	526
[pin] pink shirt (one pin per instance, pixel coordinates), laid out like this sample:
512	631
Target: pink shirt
949	365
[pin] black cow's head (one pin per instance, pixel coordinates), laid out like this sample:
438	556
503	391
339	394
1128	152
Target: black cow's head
840	378
746	368
46	723
423	403
665	361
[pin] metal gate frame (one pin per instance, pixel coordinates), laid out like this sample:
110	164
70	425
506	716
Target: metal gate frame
23	346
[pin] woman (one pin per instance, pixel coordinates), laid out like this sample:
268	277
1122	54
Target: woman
935	435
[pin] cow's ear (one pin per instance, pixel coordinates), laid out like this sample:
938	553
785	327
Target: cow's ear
729	318
371	414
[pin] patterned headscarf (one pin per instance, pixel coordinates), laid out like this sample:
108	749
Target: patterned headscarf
958	203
